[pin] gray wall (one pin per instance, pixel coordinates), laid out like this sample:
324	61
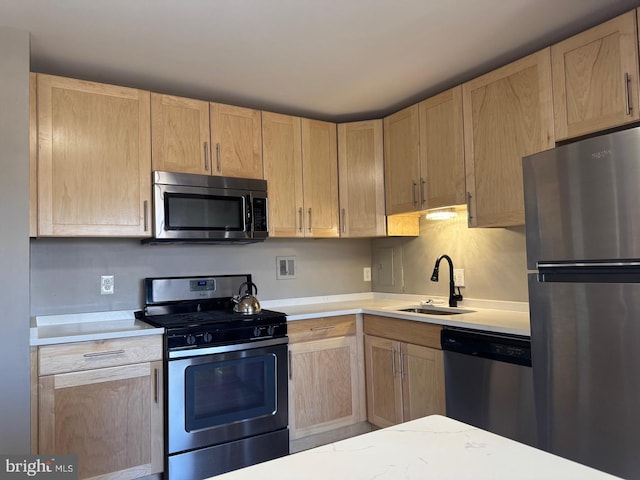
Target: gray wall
494	260
65	273
14	249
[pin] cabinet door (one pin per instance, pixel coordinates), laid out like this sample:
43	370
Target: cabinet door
236	137
320	178
33	157
384	383
110	417
507	115
94	159
180	134
595	78
401	161
361	177
282	155
423	382
442	181
323	385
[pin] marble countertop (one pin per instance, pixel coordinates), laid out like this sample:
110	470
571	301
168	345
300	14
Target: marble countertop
432	447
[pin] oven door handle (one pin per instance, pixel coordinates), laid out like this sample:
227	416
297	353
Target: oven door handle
197	352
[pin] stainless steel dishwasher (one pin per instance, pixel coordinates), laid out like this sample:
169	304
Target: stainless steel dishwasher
489	382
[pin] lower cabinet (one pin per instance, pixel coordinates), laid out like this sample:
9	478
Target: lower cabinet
102	401
326	385
404	370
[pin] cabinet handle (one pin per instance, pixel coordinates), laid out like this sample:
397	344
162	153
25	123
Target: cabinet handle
469	217
317	329
156	385
627	94
413	194
309	226
103	354
344	221
393	361
422	199
290	366
218	167
146	215
206	156
401	362
300	215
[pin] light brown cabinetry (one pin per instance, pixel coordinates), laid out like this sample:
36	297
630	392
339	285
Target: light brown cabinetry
33	157
404	370
595	78
102	400
401	160
301	168
361	176
442	181
193	136
326	389
507	114
94	159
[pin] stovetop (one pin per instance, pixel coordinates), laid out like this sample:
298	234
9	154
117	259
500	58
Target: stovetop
208	317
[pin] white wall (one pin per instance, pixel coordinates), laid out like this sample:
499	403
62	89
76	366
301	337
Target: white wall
14	241
65	273
493	259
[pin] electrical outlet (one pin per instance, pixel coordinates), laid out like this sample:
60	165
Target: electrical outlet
286	268
107	285
458	277
366	271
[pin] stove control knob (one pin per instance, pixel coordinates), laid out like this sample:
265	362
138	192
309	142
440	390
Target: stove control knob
207	337
256	332
191	339
271	330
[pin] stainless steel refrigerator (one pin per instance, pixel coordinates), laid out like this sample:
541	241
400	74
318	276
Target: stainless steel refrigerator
582	204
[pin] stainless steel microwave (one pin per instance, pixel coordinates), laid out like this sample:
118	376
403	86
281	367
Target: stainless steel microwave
191	208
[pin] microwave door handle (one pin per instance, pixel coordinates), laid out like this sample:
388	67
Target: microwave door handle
249	227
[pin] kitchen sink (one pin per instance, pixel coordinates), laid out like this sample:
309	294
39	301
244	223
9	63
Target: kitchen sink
434	311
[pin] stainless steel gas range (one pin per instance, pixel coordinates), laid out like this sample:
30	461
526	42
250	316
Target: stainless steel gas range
225	376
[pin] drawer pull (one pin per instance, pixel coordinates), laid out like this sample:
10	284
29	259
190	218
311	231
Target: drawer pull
393	362
317	329
103	354
627	94
156	385
290	366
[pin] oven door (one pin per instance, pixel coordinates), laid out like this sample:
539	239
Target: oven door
222	394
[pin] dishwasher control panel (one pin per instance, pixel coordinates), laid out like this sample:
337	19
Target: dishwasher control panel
494	346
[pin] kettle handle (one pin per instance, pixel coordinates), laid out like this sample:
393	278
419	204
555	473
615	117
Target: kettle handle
250	287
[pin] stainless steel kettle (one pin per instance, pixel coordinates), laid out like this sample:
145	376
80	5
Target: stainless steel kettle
246	303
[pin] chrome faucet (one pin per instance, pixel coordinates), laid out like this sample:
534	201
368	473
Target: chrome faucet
453	297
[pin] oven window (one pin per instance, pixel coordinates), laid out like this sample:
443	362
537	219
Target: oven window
203	212
229	391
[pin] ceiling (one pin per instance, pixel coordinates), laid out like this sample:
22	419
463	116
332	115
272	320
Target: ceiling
338	60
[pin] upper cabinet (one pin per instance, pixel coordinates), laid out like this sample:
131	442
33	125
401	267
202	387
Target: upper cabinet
236	141
193	136
94	159
300	166
507	114
361	176
595	78
180	134
442	180
401	161
424	155
33	157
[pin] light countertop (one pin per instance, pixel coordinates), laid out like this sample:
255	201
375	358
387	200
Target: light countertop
432	447
79	327
494	316
503	317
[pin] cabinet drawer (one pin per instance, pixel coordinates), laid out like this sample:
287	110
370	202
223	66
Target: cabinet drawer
68	357
418	333
322	327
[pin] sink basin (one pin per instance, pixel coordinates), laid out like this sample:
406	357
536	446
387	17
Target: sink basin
434	311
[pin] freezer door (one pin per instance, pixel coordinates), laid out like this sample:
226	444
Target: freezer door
581	200
586	366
